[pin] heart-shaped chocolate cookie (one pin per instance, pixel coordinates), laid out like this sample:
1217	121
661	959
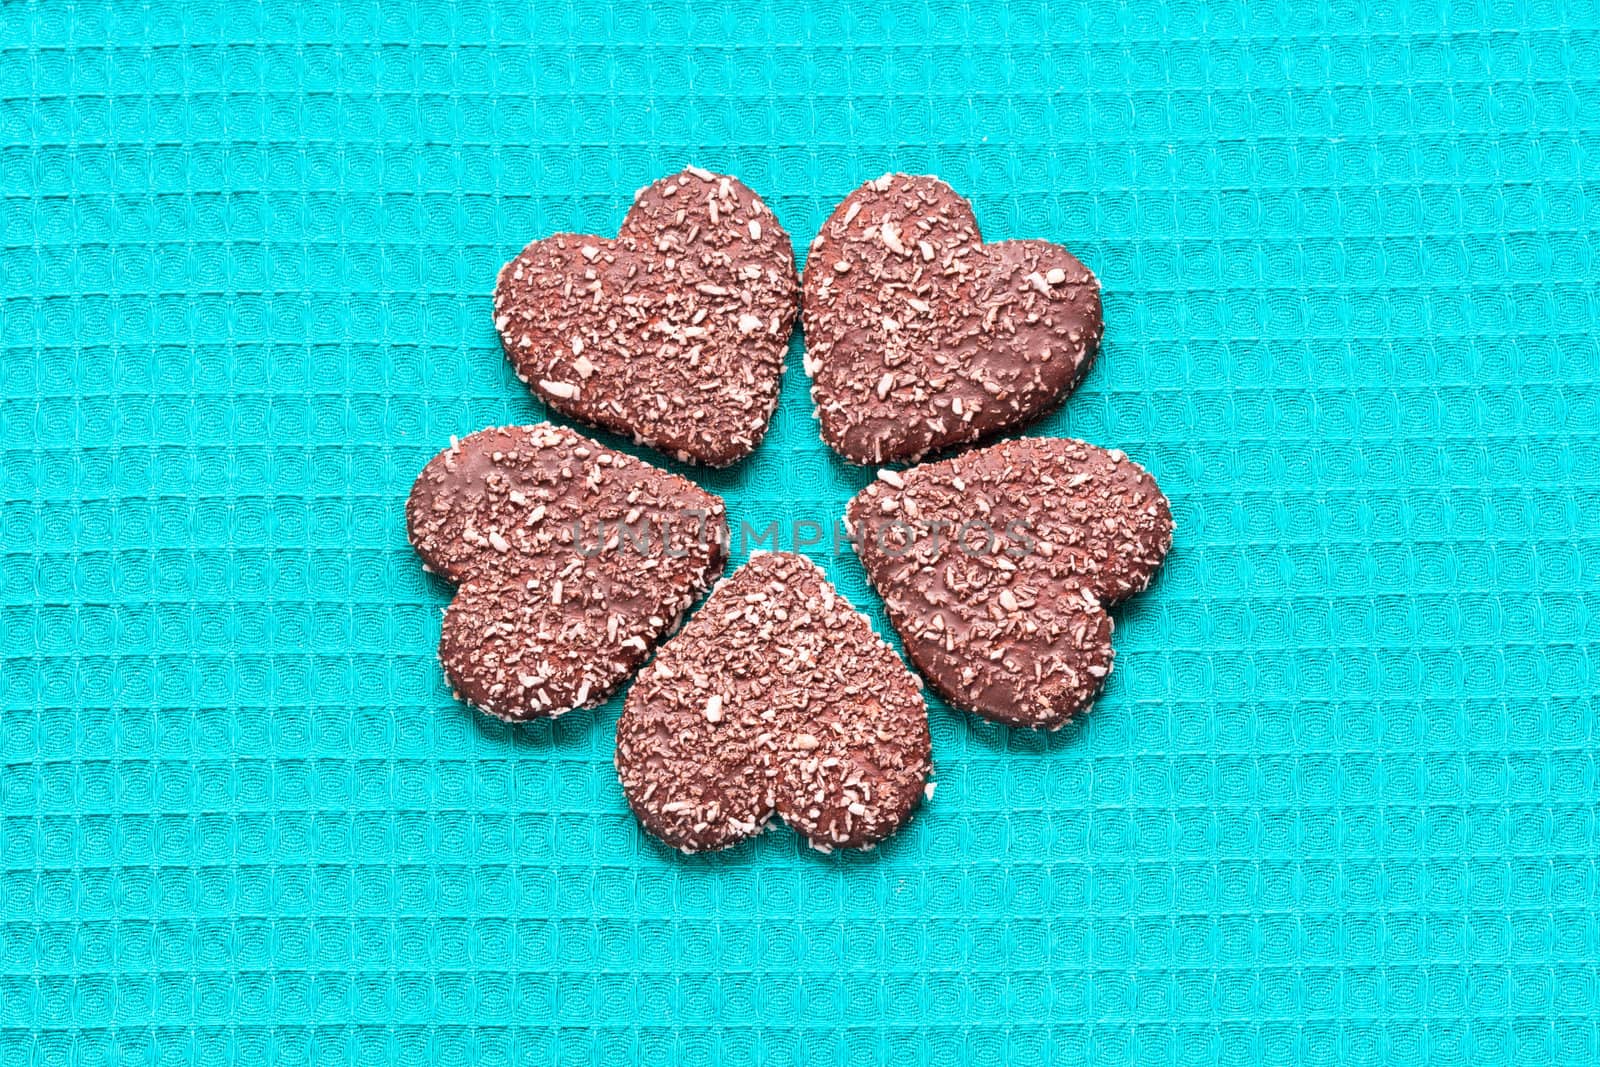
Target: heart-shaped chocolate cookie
572	560
777	697
674	333
919	336
996	567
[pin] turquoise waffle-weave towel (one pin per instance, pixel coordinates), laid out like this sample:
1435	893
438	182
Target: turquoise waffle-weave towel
1337	806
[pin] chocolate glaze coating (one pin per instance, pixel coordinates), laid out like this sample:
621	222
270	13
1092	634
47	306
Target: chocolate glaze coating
674	332
777	697
919	336
556	608
996	567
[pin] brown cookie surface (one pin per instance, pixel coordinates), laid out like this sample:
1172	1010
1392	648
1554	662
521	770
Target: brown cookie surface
572	562
919	336
674	332
996	567
777	697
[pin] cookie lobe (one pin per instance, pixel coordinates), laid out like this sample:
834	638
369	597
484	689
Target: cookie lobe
920	337
674	332
996	567
572	561
776	698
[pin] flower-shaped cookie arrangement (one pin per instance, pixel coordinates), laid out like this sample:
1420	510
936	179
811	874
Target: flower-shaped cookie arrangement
574	562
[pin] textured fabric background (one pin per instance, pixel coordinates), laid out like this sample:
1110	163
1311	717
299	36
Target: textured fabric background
1337	806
